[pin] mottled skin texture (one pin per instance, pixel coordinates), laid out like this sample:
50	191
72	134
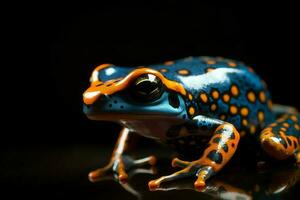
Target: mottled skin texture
203	102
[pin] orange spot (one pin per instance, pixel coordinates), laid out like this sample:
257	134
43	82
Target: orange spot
92	93
283	129
243	133
252	129
244	111
211	62
286	125
297	127
270	104
168	63
262	97
245	122
213	107
226	98
251	96
260	116
232	64
190	97
251	69
191	110
234	90
204	97
163	70
233	109
222	117
294	118
210	69
183	72
215	94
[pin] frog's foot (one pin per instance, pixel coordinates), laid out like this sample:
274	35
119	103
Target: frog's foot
190	169
118	167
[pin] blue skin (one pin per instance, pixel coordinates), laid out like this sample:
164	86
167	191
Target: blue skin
201	75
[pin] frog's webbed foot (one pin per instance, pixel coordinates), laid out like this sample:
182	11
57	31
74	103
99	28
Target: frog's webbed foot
190	169
118	167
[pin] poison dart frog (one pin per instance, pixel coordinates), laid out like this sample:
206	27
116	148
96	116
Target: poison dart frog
197	105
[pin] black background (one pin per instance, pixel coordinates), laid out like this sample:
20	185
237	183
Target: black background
53	49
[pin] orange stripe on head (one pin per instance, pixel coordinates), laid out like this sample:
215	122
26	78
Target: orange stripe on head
111	87
94	78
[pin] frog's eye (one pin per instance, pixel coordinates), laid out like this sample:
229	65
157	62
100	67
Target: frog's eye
147	87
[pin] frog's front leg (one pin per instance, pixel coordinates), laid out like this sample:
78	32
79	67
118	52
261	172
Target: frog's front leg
221	148
119	162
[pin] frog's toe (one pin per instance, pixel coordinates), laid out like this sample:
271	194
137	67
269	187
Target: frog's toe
101	173
147	160
203	174
194	169
176	162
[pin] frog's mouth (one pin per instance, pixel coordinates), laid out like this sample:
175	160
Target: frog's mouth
121	107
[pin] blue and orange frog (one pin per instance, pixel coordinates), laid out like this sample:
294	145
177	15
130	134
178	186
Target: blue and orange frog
199	106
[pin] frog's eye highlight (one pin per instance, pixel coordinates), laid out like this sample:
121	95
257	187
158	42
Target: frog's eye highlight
147	87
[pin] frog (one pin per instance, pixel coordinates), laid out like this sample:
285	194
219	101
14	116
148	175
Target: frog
201	106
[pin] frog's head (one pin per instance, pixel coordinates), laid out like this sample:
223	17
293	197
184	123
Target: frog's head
118	93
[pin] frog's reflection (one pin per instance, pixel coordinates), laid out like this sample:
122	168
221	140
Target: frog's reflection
233	183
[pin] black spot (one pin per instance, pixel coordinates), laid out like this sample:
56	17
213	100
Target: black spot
121	107
232	145
173	100
108	84
215	156
232	136
225	147
110	105
99	84
216	140
289	140
183	116
283	142
295	144
115	101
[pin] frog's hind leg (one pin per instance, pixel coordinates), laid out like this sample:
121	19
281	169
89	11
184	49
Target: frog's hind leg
281	139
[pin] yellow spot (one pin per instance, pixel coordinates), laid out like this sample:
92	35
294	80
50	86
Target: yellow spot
233	109
191	110
163	70
260	116
234	90
297	127
245	122
262	97
204	97
251	96
211	62
244	111
210	69
183	72
270	104
226	98
213	107
252	129
286	125
294	118
215	94
222	117
168	63
190	97
232	64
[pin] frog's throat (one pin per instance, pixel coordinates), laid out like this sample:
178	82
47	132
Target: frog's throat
112	86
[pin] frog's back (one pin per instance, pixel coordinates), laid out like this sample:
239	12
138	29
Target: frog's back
222	88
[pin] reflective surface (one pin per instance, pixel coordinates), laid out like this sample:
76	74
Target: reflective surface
61	171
